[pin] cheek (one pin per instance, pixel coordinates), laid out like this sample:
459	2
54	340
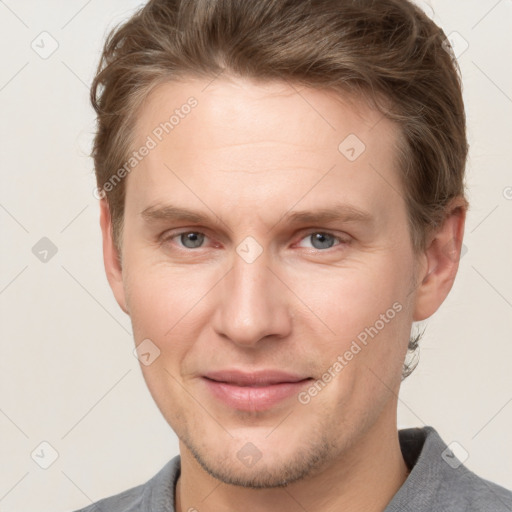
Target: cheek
347	300
368	318
165	302
152	303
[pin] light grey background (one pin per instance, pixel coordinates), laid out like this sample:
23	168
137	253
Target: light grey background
68	376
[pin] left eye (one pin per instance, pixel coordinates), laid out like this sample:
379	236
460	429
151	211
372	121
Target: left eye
321	240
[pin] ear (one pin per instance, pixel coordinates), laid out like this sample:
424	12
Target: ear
111	257
442	257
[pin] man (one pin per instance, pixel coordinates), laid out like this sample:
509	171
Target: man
282	196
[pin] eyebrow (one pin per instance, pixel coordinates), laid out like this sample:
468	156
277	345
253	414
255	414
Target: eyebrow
337	212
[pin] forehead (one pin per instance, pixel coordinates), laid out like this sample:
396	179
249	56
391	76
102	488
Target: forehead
254	140
230	110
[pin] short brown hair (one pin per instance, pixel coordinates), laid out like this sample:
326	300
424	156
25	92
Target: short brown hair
387	51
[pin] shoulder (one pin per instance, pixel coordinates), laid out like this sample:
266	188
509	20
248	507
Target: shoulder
156	494
469	492
126	501
465	490
438	480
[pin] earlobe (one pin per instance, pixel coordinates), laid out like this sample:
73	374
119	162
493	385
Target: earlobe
111	259
442	257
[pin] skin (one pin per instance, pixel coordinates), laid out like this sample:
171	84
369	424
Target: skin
245	156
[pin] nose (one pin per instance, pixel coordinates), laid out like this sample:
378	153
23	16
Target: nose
253	304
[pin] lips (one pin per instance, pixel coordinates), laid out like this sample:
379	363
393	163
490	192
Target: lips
259	378
253	391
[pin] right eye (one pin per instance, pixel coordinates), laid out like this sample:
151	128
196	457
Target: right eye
188	239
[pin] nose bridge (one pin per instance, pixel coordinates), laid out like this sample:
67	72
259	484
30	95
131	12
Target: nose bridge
253	303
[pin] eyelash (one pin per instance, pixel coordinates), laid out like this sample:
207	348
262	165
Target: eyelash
339	239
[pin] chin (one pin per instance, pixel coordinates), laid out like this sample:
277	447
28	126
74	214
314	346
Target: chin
250	468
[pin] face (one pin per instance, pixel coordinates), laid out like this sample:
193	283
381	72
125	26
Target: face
266	256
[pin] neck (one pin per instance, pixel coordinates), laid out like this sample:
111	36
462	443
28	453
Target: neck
365	477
